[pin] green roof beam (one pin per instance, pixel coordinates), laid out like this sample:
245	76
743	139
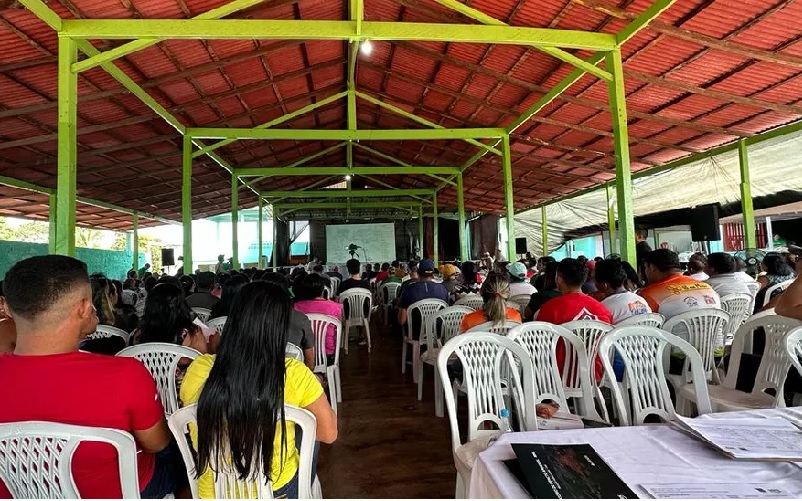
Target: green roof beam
384	156
340	193
342	171
43	12
297	163
345	135
642	21
345	205
283	29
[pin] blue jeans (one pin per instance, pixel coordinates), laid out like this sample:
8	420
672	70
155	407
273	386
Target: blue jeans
288	490
169	474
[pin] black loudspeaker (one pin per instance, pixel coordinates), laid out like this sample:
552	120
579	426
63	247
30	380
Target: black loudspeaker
520	245
704	223
168	257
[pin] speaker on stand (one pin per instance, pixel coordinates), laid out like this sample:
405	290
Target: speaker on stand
705	225
168	257
520	245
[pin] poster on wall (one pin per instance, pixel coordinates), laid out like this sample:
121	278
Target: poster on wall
371	242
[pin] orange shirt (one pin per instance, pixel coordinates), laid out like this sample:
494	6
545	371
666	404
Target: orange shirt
678	294
478	317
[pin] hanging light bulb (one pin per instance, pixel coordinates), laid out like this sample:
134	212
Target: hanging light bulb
366	47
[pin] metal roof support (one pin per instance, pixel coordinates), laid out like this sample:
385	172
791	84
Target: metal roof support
186	202
379	154
344	205
340	193
283	29
275	225
391	187
135	246
463	247
67	148
623	174
611	230
435	231
276	121
560	54
747	209
259	236
300	162
509	204
234	223
544	230
345	135
341	171
420	230
420	120
51	223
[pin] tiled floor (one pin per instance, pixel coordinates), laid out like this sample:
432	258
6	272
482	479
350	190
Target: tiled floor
390	445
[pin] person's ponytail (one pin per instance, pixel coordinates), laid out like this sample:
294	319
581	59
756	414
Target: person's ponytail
495	293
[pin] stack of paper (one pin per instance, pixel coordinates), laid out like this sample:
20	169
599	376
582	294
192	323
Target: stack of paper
767	439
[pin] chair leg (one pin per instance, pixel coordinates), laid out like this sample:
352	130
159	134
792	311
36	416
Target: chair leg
415	360
346	330
439	396
404	356
332	395
367	332
339	385
420	381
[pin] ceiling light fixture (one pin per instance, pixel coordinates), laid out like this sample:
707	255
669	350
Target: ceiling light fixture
348	177
366	47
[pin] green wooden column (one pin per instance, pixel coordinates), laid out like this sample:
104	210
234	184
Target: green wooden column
275	221
435	231
234	223
463	245
747	208
67	147
623	175
259	230
611	219
186	204
508	200
52	226
420	230
544	231
135	243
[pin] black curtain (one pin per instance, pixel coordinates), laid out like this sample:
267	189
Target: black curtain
282	244
484	235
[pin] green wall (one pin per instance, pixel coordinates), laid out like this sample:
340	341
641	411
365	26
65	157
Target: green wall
115	264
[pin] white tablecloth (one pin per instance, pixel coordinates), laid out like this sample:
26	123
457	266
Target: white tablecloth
641	455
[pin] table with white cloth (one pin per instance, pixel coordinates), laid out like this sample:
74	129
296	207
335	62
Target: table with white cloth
648	454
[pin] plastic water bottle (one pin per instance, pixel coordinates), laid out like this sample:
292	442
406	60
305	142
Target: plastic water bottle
504	414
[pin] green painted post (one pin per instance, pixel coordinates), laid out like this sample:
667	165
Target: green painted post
135	223
506	162
67	147
259	230
463	245
435	231
747	208
623	175
275	221
611	219
234	223
420	230
186	203
544	231
51	223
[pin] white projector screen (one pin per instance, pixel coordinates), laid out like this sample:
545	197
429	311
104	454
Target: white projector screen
372	242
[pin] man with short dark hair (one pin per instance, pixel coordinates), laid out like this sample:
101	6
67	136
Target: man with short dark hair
335	272
611	279
203	297
48	379
384	273
642	248
669	291
318	270
423	288
721	267
355	280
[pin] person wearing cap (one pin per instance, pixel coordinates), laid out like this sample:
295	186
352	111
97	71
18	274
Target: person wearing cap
518	283
669	292
449	273
423	288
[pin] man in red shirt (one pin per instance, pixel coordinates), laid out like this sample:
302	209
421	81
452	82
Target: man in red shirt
48	379
572	305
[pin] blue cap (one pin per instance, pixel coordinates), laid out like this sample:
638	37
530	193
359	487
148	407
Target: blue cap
517	269
426	266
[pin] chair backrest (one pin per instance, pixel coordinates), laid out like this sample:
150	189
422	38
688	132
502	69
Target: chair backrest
227	484
162	359
704	330
445	324
739	307
774	288
320	326
294	351
36	458
218	323
356	303
335	284
107	331
474	301
202	313
389	291
774	363
418	315
500	328
327	294
648	319
754	288
521	301
540	341
485	358
793	347
643	350
589	331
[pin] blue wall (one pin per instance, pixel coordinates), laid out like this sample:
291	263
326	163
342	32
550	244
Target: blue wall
114	264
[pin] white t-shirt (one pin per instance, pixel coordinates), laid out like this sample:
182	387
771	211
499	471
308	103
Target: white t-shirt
521	288
624	305
728	283
701	276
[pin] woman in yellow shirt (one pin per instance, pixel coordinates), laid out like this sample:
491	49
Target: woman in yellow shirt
242	390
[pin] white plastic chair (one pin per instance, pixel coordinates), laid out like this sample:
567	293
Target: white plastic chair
540	341
202	313
704	330
294	351
161	359
108	331
776	287
500	328
737	305
589	331
217	324
356	312
473	301
484	357
327	293
521	301
793	347
335	285
771	374
227	484
320	324
442	326
418	314
648	319
36	458
644	350
388	292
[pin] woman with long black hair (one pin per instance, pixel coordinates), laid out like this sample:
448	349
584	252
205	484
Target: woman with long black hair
241	392
230	290
168	319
